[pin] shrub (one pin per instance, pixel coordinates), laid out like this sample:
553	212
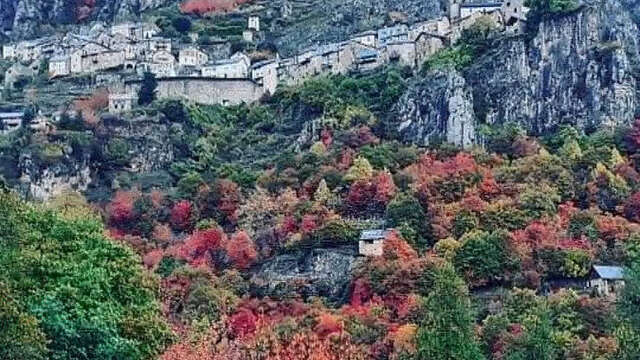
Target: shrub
405	211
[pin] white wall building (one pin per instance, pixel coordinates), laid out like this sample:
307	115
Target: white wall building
163	64
59	65
265	73
237	67
8	51
254	23
192	57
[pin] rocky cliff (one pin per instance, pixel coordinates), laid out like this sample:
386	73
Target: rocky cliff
580	68
28	18
316	272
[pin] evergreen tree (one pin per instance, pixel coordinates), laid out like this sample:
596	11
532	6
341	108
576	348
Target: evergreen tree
147	92
447	331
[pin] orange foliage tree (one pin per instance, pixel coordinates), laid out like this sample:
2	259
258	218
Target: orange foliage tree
210	6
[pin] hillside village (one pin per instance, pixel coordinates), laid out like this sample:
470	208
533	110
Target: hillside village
125	51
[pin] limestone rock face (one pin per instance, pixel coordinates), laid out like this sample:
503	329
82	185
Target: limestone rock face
318	272
29	18
581	69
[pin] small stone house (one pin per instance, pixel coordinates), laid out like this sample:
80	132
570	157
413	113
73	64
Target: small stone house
606	280
8	51
254	23
121	103
59	65
367	38
372	242
237	67
192	56
393	33
265	73
400	52
10	121
469	9
163	64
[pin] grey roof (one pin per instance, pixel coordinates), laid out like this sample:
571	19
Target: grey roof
10	115
481	5
373	234
609	272
367	53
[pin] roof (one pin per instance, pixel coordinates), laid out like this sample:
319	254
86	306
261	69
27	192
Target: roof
609	272
481	5
367	53
10	115
373	234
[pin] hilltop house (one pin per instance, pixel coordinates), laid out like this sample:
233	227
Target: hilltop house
163	64
59	65
237	67
393	33
10	121
191	56
606	280
265	73
372	242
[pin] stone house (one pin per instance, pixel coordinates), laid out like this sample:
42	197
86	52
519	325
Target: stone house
515	16
249	35
606	280
191	56
132	31
28	50
237	67
400	52
150	30
10	121
8	51
163	64
367	38
371	242
427	44
98	58
459	25
468	9
393	33
122	102
18	72
440	27
254	23
158	44
59	65
265	73
365	58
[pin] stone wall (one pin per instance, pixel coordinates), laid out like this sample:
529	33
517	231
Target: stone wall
207	91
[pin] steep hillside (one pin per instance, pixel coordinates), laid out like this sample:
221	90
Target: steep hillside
579	68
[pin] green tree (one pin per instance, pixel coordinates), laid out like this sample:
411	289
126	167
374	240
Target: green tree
20	336
147	92
90	295
446	333
406	214
484	258
628	333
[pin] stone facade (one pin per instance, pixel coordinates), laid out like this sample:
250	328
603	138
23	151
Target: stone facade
254	23
237	67
371	247
192	57
163	64
122	103
207	91
10	121
59	66
266	74
8	51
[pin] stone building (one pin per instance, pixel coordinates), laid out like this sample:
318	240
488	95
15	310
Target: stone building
150	30
94	57
10	121
400	52
59	65
8	51
132	31
372	242
393	33
440	26
192	56
265	73
237	67
122	102
163	64
470	8
515	16
428	44
367	38
606	280
254	23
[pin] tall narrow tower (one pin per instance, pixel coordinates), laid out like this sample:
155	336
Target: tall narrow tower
453	8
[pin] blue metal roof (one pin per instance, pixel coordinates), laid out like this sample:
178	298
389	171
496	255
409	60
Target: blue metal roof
609	272
367	53
373	234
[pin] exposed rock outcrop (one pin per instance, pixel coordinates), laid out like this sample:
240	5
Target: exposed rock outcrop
580	68
318	272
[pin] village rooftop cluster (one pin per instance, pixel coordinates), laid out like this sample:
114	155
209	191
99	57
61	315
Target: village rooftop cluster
186	71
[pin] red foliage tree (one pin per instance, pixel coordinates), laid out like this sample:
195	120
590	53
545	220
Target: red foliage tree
308	224
199	244
228	195
181	215
120	210
632	207
241	250
210	6
396	248
326	137
361	293
328	324
385	188
633	137
243	323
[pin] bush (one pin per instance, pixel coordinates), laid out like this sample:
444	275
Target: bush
484	258
405	213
